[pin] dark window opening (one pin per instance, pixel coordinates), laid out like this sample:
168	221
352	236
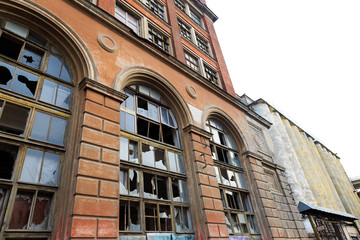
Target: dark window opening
8	154
162	188
142	127
129	219
151	217
10	46
168	135
154	131
13	118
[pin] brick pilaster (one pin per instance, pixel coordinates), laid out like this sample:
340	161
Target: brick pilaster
212	208
95	210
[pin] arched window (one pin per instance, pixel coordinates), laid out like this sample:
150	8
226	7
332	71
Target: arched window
239	213
153	180
35	101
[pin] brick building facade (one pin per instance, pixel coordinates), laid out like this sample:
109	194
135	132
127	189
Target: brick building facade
119	121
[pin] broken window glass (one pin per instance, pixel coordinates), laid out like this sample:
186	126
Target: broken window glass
169	135
148	156
10	46
8	154
224	176
217	175
160	160
183	219
129	219
32	166
245	198
6	73
133	152
13	118
142	107
142	127
235	223
40	220
232	178
149	185
32	57
213	153
235	159
165	218
233	199
242	223
123	182
162	188
54	66
179	190
254	229
223	199
228	223
25	83
134	182
241	180
50	169
151	217
154	131
21	211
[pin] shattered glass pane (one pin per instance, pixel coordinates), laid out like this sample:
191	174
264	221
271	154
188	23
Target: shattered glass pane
236	223
172	162
160	160
228	224
149	185
224	176
123	182
232	178
135	219
183	191
235	159
41	213
133	152
148	157
25	83
32	164
142	107
13	119
176	189
32	57
162	188
6	74
134	178
241	180
21	211
50	169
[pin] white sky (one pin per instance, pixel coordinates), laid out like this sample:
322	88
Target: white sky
303	57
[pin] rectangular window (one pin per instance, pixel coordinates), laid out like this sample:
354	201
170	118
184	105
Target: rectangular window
8	154
179	190
156	8
192	62
56	94
127	18
158	217
254	229
129	182
148	129
158	39
129	150
153	157
185	31
194	16
183	219
202	44
13	118
155	186
176	163
211	75
40	167
127	121
129	219
180	4
48	128
27	215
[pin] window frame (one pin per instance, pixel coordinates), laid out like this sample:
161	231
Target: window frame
196	61
157	8
164	38
120	7
185	30
211	75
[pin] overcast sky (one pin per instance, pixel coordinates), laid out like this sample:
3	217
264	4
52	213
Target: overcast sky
303	57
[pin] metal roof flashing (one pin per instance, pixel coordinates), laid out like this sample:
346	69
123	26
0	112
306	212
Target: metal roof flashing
326	212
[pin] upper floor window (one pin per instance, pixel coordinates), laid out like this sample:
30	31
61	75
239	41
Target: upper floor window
127	18
211	75
192	62
239	213
35	101
156	8
202	44
153	182
196	17
185	31
180	4
158	39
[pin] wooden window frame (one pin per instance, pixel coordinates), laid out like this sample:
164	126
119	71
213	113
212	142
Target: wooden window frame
157	8
156	37
184	30
192	62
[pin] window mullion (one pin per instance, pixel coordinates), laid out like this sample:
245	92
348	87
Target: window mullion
32	209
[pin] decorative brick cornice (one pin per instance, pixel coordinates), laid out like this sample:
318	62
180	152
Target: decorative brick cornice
88	83
197	130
